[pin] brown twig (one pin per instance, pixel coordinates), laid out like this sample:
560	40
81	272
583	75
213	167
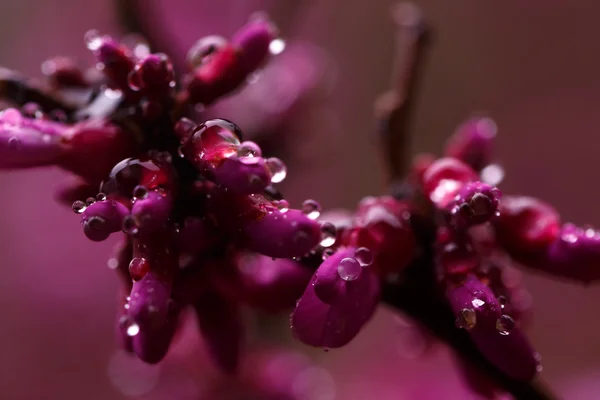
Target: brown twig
393	109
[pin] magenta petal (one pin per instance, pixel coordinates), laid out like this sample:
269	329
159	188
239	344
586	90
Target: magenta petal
152	345
26	142
575	254
149	302
245	175
333	325
511	351
197	235
222	329
271	285
328	284
102	218
277	234
253	40
153	211
472	142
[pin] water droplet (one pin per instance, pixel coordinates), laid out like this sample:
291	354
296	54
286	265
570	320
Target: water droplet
467	318
134	79
505	324
58	115
328	234
249	149
140	192
133	329
200	52
79	207
326	349
349	269
138	268
277	168
276	46
311	208
503	301
477	303
327	253
282	205
112	263
90	200
32	110
364	256
180	152
130	225
92	39
14	143
100	197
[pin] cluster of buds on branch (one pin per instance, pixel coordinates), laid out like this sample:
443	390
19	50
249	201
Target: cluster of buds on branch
205	228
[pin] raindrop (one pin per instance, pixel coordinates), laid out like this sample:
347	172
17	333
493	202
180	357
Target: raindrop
311	208
327	253
92	39
467	318
133	329
204	48
14	143
249	149
277	168
328	234
140	192
505	324
58	115
100	197
90	200
282	205
349	269
276	46
502	300
32	110
477	303
138	268
112	263
79	207
364	256
130	225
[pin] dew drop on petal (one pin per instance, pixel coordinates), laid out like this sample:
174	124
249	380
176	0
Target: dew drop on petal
58	115
311	208
79	207
277	168
134	79
349	269
32	110
502	300
282	205
249	149
14	143
505	324
328	234
138	268
276	46
203	48
327	253
180	152
140	192
364	256
133	329
130	225
92	39
112	263
467	318
90	200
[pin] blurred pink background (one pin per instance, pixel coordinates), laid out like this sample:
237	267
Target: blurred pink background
533	67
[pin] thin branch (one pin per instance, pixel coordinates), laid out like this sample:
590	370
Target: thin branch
394	108
16	90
